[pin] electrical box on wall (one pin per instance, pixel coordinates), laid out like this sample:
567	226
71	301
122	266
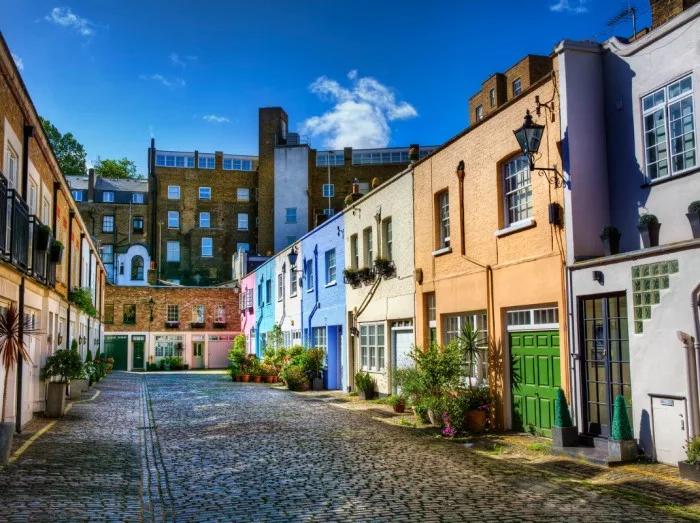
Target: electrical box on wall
555	214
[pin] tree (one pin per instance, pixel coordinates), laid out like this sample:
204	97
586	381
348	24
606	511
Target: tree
124	168
12	348
69	152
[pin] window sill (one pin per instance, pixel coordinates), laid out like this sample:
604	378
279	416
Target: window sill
515	227
652	183
371	371
310	290
293	295
444	250
331	284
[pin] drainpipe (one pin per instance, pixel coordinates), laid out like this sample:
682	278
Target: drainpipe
574	355
696	318
460	176
89	284
691	380
71	215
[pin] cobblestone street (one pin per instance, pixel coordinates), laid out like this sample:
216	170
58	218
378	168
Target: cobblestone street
224	451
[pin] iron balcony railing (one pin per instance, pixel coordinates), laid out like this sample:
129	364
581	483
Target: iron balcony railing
17	238
3	214
40	243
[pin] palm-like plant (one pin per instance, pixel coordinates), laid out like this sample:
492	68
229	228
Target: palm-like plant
12	349
469	342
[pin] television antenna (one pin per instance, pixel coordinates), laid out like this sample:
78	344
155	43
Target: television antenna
628	13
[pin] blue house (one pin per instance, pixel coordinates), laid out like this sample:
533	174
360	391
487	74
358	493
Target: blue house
265	301
323	306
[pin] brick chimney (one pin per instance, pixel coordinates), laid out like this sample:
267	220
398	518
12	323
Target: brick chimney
91	185
663	10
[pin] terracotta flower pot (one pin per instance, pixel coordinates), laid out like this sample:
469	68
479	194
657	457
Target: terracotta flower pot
256	379
269	379
477	420
245	378
275	379
399	408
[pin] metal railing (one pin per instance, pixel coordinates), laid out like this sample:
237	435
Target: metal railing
17	243
3	214
40	242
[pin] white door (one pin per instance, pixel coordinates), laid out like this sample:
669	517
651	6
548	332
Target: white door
218	354
670	429
402	343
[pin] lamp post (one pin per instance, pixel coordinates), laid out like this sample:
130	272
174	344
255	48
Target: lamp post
151	305
529	137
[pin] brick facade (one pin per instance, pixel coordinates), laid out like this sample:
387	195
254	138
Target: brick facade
663	10
271	122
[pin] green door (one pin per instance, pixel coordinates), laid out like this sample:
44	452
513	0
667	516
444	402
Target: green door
139	342
117	347
535	377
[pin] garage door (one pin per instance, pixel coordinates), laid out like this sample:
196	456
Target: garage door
117	347
535	377
217	357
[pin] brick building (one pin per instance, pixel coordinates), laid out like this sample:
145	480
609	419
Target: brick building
146	324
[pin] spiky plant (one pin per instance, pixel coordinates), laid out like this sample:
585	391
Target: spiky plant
469	342
12	348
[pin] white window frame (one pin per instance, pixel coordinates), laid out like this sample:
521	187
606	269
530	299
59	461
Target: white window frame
355	251
207	247
242	221
453	324
516	91
368	241
328	190
206	161
492	97
108	197
663	107
220	314
287	215
444	218
372	353
537	318
105	221
331	267
204	220
207	193
387	234
243	194
77	195
280	287
309	274
173	217
137	197
319	337
518	171
172	313
172	253
173	192
293	283
479	113
198	314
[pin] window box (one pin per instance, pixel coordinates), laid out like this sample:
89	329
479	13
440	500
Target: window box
649	227
219	324
196	325
172	324
56	252
44	238
366	275
352	278
384	267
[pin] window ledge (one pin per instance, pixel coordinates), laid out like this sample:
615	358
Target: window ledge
310	290
331	284
515	227
444	250
652	183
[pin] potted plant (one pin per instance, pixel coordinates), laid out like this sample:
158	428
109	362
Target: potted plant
44	238
693	215
690	468
365	385
622	446
315	358
413	154
398	403
366	275
12	350
255	369
352	277
60	367
296	378
564	432
610	237
79	383
649	226
479	403
384	267
56	254
469	343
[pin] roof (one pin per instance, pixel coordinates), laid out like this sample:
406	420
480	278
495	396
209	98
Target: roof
108	184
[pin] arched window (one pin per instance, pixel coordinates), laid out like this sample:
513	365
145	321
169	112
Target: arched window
137	268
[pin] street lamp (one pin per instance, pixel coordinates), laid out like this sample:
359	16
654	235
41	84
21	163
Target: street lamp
529	138
151	304
236	287
292	256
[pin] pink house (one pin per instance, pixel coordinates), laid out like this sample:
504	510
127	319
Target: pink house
247	308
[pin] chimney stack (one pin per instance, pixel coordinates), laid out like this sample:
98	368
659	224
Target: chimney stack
663	10
91	185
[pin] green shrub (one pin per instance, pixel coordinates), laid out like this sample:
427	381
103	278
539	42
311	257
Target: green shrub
694	206
82	298
315	357
647	219
621	427
237	357
609	231
364	382
295	377
693	451
440	368
64	365
562	417
397	400
88	356
408	379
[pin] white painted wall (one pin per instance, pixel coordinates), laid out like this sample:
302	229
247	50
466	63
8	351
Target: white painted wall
291	190
125	260
288	309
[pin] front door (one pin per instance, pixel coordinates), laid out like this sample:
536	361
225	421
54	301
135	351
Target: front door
197	353
400	357
117	347
535	378
137	359
606	360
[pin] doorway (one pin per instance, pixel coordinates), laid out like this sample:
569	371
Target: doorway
197	354
137	358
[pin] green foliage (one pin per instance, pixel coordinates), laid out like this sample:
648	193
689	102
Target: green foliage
64	365
315	358
121	169
274	337
621	427
74	345
364	382
295	377
397	401
88	357
469	342
237	356
440	368
694	206
58	244
609	231
562	417
68	151
693	451
647	219
81	297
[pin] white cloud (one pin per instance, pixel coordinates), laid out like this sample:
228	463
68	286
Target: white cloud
18	61
179	62
175	82
570	6
63	16
361	114
213	118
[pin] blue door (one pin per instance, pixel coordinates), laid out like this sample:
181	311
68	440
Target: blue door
331	377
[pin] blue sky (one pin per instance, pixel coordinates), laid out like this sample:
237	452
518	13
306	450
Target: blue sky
194	73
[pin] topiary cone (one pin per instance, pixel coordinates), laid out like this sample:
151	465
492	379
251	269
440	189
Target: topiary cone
562	417
621	427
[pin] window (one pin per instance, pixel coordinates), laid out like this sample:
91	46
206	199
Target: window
137	197
46	211
107	253
242	194
206	161
242	221
444	216
137	268
172	313
12	166
517	190
280	287
517	87
260	294
533	318
479	113
173	192
207	247
369	253
492	97
388	240
318	337
205	193
328	190
244	246
108	197
293	283
171	160
309	274
669	123
330	266
204	220
249	298
220	314
354	252
138	224
372	346
290	215
198	314
268	291
129	315
173	220
77	195
237	164
173	252
477	369
332	158
108	224
329	212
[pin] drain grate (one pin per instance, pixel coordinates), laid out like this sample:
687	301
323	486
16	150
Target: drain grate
150	427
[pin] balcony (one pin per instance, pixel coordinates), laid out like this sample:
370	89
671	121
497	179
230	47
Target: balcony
17	231
40	243
3	214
